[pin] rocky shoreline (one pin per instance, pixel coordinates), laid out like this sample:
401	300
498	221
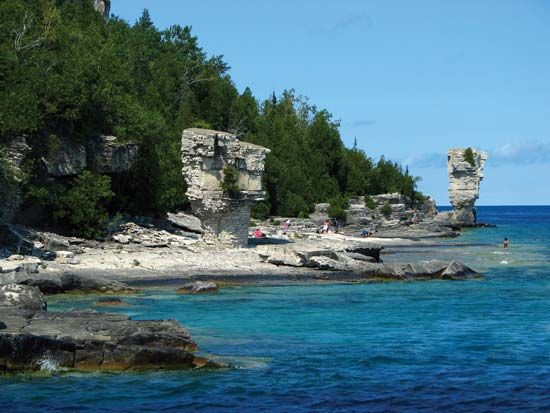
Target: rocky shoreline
143	256
32	339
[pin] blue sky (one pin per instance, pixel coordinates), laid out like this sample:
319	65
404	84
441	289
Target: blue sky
407	79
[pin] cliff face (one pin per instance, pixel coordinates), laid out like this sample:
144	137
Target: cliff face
205	154
464	182
102	154
10	171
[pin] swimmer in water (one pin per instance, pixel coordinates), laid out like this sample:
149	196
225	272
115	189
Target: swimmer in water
506	243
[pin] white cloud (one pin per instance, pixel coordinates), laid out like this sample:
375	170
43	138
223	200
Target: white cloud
518	153
521	153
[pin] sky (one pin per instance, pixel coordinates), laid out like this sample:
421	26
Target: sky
408	80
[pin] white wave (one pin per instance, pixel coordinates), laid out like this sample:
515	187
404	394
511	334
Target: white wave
48	364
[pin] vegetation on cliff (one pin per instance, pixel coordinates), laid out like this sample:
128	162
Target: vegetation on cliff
469	156
66	71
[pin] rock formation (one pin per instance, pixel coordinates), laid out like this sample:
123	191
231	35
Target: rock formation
360	263
205	156
103	7
32	338
464	180
359	214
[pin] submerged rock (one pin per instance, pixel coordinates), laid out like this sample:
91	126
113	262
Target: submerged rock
110	302
198	287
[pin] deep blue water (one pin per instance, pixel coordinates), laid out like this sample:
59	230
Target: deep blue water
472	346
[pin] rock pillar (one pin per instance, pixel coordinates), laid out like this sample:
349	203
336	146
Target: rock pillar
465	175
103	7
205	155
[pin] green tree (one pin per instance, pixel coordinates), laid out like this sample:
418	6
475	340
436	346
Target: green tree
469	156
230	183
83	204
386	210
369	203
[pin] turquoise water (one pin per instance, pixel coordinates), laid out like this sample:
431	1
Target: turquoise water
468	346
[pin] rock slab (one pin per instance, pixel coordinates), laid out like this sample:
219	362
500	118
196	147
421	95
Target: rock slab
32	339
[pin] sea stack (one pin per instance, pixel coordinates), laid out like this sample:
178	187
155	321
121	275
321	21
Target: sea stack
465	167
103	7
207	157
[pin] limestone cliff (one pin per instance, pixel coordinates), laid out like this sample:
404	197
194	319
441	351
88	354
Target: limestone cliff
11	158
464	181
205	155
102	154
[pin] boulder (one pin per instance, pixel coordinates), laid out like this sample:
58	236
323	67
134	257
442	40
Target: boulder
458	271
198	287
327	264
431	269
185	221
278	255
22	296
122	239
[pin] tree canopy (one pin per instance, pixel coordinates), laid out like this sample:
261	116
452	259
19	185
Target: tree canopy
66	71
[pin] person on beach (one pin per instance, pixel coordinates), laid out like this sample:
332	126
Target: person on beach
365	233
259	234
506	243
325	227
286	225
